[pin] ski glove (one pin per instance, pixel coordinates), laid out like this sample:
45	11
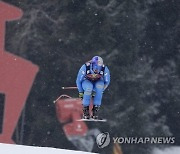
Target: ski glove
81	95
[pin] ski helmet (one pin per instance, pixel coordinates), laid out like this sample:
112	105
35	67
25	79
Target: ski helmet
97	63
96	60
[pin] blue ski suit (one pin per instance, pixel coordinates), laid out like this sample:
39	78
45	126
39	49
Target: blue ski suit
96	83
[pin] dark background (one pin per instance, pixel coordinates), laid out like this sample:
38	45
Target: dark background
139	42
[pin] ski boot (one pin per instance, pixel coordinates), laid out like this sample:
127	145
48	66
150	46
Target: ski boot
86	112
95	110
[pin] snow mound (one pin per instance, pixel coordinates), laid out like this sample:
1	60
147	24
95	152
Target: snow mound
170	150
21	149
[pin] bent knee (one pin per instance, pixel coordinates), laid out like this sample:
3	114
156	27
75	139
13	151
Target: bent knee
88	91
99	87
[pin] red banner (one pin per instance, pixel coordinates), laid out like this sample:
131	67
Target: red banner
16	76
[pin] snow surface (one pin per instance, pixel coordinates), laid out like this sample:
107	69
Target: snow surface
170	150
20	149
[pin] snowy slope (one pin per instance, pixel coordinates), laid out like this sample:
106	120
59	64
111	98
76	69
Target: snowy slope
171	150
20	149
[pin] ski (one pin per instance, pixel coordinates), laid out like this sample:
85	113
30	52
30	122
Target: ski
95	120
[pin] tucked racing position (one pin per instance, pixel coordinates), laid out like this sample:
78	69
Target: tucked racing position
92	80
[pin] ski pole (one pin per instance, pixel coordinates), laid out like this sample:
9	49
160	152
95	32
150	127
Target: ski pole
61	96
56	100
64	88
69	87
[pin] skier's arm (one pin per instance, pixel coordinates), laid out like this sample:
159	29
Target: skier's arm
106	77
80	76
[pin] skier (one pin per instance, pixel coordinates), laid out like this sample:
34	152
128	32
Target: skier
92	80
